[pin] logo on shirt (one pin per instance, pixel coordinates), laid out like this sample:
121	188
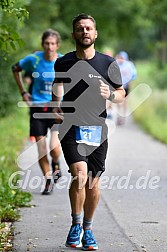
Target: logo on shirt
94	76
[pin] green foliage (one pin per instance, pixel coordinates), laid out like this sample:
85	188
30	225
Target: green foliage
128	25
104	24
151	115
10	201
13	128
152	75
43	15
157	15
5	4
9	91
121	24
11	21
11	17
160	76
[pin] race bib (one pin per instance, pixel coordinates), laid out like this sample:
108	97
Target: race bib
90	135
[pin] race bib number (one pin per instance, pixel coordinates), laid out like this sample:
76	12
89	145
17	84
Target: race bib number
90	135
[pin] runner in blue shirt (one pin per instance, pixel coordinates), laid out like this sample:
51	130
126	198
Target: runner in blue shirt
40	65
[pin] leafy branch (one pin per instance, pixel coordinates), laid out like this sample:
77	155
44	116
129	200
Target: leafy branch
8	34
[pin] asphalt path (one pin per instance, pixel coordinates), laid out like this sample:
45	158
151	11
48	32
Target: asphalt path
131	215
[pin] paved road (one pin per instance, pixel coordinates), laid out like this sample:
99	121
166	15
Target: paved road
131	215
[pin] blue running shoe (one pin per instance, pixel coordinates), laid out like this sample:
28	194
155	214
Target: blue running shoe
74	236
88	240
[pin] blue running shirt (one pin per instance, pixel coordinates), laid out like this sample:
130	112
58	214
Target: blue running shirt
43	75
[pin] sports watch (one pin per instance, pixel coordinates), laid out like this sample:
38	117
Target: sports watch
112	96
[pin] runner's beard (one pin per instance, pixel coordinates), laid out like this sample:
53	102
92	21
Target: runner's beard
84	45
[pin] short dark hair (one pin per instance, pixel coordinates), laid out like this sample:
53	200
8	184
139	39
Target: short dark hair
82	16
50	32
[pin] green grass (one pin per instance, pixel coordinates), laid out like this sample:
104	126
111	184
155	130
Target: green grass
152	114
14	130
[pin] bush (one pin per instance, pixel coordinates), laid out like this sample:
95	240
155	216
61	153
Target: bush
9	91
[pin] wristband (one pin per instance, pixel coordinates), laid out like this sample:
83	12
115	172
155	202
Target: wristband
23	93
112	96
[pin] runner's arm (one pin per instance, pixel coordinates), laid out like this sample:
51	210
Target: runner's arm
116	96
18	77
57	94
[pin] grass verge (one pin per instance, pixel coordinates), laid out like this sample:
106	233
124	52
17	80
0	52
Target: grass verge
151	115
14	130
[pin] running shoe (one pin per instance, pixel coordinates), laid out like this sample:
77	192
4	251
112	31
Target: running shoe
56	171
88	241
48	187
74	236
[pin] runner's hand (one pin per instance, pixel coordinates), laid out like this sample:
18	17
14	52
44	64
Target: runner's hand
27	98
58	115
104	90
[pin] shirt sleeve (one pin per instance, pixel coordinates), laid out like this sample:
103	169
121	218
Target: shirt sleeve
58	69
115	75
27	63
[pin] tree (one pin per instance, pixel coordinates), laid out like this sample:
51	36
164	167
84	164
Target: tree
157	14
